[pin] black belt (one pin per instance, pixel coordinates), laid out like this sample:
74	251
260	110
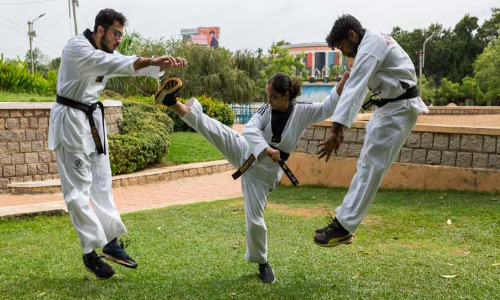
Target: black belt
410	93
89	110
283	155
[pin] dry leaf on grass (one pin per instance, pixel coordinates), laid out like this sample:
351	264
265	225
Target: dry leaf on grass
448	276
496	265
448	222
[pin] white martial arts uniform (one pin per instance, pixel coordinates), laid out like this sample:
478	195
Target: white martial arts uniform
386	69
264	174
84	174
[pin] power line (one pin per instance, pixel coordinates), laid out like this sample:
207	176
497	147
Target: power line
28	3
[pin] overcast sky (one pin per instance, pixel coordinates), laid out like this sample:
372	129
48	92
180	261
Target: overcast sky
247	24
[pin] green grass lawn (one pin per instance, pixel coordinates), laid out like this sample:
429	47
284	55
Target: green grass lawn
17	97
401	251
191	147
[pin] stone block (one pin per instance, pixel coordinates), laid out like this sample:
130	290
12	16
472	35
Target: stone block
354	150
18	135
31	158
406	155
18	159
43	169
490	144
28	113
312	148
454	142
32	169
302	146
441	141
2	124
42	135
39	113
433	157
419	156
473	143
493	161
9	171
427	140
43	123
5	159
308	133
3	147
30	135
343	150
12	147
319	133
37	146
351	135
361	136
44	157
22	170
464	159
5	136
16	113
27	178
480	160
53	168
448	158
414	140
25	147
12	124
24	123
33	123
37	177
3	183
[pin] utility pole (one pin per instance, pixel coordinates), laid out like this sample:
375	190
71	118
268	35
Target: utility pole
421	60
75	4
32	34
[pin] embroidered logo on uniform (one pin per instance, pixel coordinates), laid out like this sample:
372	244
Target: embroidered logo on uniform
99	79
78	163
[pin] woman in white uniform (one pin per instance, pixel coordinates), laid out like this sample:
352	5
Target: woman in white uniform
268	138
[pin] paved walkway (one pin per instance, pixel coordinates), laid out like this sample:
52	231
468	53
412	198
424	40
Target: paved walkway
139	197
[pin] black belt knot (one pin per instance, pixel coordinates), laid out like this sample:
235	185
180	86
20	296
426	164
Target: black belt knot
89	111
410	93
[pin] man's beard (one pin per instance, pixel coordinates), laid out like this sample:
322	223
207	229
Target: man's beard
104	44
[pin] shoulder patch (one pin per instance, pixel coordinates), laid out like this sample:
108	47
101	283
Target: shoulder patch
263	109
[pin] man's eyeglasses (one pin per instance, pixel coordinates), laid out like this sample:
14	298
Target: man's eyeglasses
118	34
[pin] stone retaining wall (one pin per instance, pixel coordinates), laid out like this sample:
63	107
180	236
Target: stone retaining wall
469	151
24	153
464	110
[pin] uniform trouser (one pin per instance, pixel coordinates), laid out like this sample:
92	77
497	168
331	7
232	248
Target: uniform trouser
234	147
85	178
386	134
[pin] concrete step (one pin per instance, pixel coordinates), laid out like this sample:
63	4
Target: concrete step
136	178
47	208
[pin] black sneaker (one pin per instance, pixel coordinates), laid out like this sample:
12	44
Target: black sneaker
94	263
266	273
329	220
167	95
334	235
116	253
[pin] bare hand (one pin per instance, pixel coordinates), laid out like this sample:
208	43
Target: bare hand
274	154
169	62
332	143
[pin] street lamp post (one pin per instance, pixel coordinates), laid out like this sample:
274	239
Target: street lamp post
421	60
32	34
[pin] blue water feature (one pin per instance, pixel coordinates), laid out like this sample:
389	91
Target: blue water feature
315	92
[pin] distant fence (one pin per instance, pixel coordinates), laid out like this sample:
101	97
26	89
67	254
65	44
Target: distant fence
244	111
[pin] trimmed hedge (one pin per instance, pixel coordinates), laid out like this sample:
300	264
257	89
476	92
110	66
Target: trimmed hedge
211	107
145	138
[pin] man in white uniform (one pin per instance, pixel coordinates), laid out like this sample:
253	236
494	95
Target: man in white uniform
382	66
78	136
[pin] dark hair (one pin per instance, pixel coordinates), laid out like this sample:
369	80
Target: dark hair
282	83
211	32
107	17
341	27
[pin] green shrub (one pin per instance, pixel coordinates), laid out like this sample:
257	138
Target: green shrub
145	138
16	78
211	107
